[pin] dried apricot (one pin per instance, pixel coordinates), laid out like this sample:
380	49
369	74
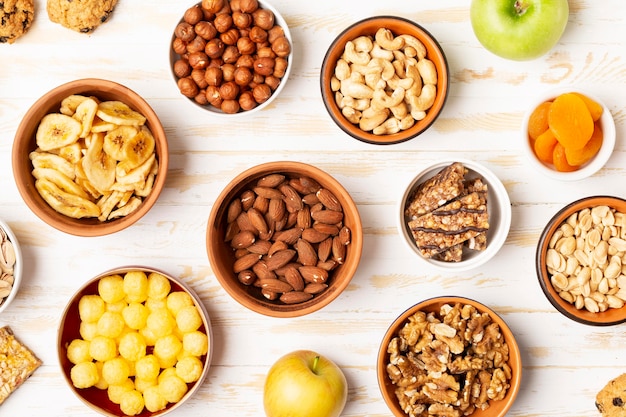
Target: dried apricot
584	155
570	121
594	107
560	161
544	146
538	120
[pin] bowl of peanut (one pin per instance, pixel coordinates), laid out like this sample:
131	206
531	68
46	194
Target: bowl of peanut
384	80
579	260
11	266
449	355
134	340
284	238
90	157
231	57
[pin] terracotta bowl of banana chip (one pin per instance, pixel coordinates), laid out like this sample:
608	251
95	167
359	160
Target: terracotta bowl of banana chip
90	157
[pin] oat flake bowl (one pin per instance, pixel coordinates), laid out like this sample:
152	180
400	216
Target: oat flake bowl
141	315
11	265
465	247
491	344
385	106
579	260
126	160
284	238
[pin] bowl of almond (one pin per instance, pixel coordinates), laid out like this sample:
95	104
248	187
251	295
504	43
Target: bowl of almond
284	238
90	157
11	264
449	355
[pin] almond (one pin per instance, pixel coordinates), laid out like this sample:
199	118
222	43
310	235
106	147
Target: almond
269	295
328	199
315	288
261	271
270	180
339	250
328	216
303	219
234	209
268	192
328	229
324	249
345	235
293	277
245	262
313	274
244	223
274	285
310	184
257	220
293	200
243	239
310	199
313	236
261	204
276	246
246	277
261	247
328	265
276	209
247	199
297	185
280	258
231	230
289	236
295	297
306	252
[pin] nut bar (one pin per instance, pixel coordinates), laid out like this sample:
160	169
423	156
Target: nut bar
17	363
446	185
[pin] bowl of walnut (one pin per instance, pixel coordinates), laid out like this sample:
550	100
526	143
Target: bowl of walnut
455	215
231	57
384	80
284	238
449	356
579	260
134	340
11	266
90	157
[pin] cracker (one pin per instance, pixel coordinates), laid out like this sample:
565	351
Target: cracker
17	363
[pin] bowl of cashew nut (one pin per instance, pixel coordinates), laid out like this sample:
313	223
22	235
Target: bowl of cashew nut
384	80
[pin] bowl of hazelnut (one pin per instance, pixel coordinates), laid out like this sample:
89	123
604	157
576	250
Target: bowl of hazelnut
231	57
284	238
384	80
453	342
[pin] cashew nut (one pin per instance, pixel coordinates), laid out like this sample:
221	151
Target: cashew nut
400	111
397	82
354	89
388	127
369	123
386	40
382	66
413	73
416	44
425	100
427	70
342	69
378	52
353	116
351	55
357	104
335	84
363	44
380	96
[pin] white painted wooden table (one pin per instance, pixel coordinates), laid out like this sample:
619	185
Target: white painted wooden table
565	363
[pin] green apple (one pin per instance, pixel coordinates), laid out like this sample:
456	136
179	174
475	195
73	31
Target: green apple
304	384
519	30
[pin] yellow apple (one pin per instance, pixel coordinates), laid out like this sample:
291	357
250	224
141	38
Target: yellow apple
304	383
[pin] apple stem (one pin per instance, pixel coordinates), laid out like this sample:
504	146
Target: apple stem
520	7
315	362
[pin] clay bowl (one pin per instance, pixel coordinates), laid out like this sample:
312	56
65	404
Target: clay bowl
497	408
549	247
25	143
198	95
368	27
11	265
222	253
70	329
605	123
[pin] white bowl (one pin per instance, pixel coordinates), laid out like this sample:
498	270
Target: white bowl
591	167
17	268
498	207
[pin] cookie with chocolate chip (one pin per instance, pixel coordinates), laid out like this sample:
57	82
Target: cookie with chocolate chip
611	400
83	16
16	16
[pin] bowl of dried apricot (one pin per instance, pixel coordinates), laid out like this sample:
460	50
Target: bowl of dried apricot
452	342
284	238
568	133
90	157
134	340
579	260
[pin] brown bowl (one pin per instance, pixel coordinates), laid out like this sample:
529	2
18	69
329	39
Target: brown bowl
25	143
69	330
496	408
551	274
264	299
368	27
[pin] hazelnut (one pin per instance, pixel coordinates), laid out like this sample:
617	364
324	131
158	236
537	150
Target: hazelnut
265	52
275	33
193	15
223	22
213	6
246	46
206	30
214	48
182	68
179	46
242	76
230	106
231	54
196	45
280	67
246	100
216	62
198	76
213	76
261	93
264	66
248	6
212	94
200	98
188	87
228	72
257	35
272	81
198	60
229	90
235	5
281	47
263	18
184	31
230	37
242	20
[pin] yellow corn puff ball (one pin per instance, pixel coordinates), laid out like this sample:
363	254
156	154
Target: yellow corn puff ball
90	308
88	330
142	384
147	368
102	348
148	336
189	368
84	374
115	392
78	351
167	347
161	322
166	372
135	315
188	319
196	343
158	286
111	324
153	304
115	371
132	346
136	286
153	399
132	403
111	288
177	300
172	388
101	384
117	307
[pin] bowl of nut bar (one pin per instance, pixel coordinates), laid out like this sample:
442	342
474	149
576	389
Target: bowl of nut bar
384	80
449	356
579	260
90	157
284	238
455	215
231	57
11	265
